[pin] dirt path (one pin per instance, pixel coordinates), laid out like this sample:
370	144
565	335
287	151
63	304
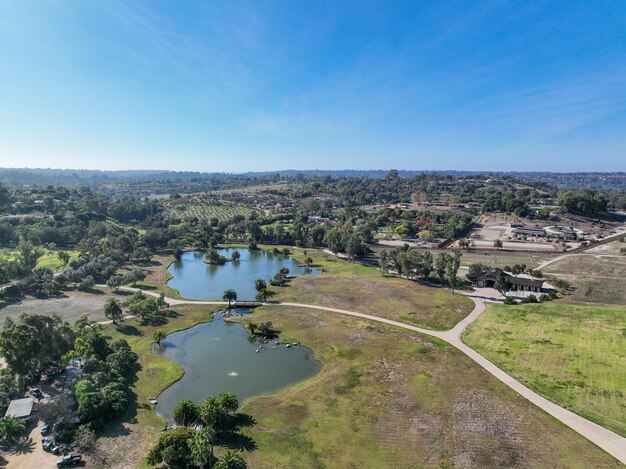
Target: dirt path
30	453
609	441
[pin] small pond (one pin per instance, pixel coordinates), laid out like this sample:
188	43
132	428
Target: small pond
220	356
199	281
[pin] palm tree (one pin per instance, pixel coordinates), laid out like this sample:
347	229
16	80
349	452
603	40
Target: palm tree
229	401
202	447
11	428
113	309
260	285
158	336
309	261
230	295
231	460
185	413
214	414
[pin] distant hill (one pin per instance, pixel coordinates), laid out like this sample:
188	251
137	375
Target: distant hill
76	177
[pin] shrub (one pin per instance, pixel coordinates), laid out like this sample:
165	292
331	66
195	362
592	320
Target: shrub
509	300
532	299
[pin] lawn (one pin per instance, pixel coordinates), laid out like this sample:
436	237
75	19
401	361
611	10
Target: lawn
364	289
574	355
389	398
51	261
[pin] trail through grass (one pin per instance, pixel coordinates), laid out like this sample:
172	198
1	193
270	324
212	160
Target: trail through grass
575	355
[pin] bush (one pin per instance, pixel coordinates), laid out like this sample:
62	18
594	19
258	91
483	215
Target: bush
509	300
543	297
532	299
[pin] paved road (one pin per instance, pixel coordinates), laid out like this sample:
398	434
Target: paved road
609	441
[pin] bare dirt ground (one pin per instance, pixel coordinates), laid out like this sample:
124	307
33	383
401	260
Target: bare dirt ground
69	307
29	454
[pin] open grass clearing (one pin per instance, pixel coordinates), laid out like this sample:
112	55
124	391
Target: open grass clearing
389	398
574	355
589	265
355	287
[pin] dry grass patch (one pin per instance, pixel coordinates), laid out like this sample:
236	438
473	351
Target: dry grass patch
390	398
355	287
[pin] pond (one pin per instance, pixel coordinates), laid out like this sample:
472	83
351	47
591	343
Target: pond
220	356
199	281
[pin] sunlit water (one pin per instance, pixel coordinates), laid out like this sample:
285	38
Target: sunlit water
220	356
195	279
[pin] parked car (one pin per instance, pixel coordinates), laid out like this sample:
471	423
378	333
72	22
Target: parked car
45	429
69	460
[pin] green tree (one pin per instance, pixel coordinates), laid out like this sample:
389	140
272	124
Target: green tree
497	243
173	448
11	429
27	256
229	401
161	304
260	285
236	255
231	460
202	447
502	285
334	240
63	257
230	295
115	282
33	339
158	336
113	310
185	413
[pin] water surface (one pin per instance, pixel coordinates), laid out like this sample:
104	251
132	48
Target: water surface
220	356
199	281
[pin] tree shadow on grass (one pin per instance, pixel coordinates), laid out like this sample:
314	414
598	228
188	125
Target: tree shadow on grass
158	319
128	330
237	441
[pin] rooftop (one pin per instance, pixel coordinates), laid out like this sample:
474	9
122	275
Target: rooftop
20	408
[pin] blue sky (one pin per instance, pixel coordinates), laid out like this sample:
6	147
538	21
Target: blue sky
265	85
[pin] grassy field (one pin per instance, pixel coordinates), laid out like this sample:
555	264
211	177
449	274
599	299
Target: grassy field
205	210
574	355
387	398
595	278
364	289
49	259
586	265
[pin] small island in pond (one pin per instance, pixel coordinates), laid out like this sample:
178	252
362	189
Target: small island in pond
215	258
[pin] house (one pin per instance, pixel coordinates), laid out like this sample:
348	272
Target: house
488	279
524	231
20	408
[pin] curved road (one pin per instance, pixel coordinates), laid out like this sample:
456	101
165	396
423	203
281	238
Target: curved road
609	441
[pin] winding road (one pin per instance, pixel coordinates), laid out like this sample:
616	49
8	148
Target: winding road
609	441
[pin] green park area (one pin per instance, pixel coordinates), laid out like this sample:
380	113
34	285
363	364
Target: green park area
364	289
574	355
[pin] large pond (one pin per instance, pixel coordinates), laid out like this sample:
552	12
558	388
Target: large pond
220	356
195	279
